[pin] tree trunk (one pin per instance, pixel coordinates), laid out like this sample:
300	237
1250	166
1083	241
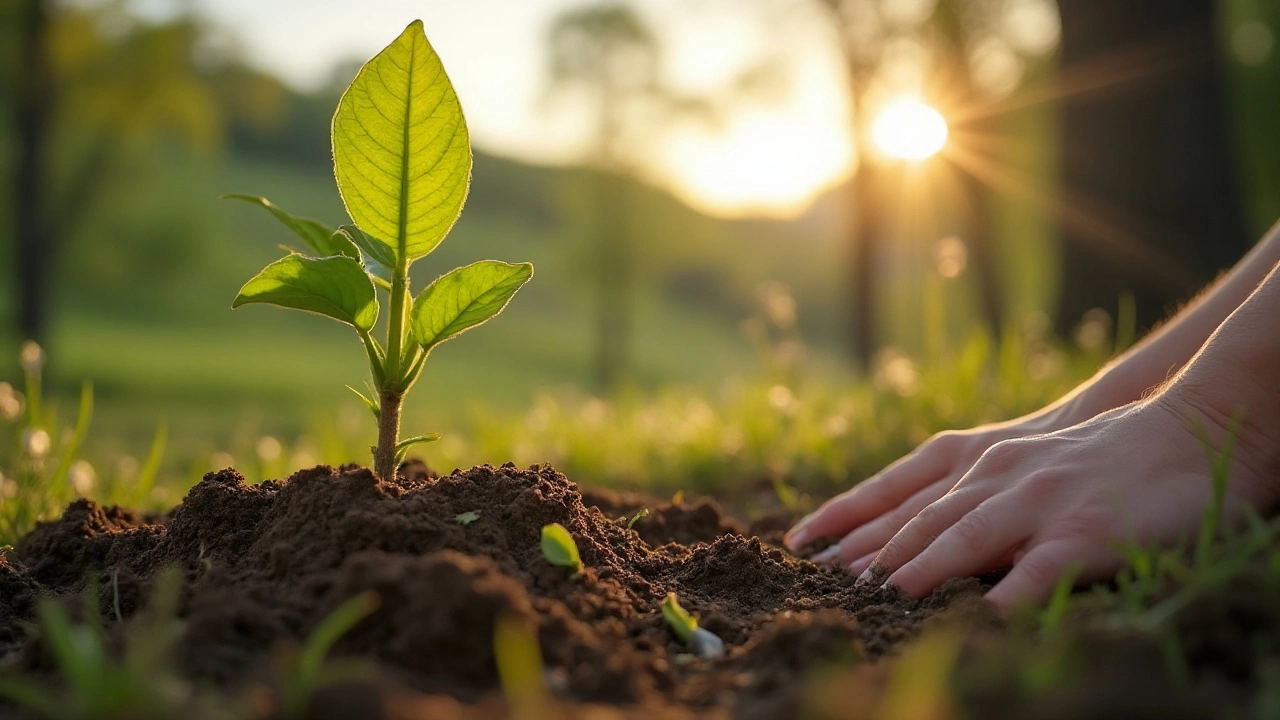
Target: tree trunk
1151	205
32	235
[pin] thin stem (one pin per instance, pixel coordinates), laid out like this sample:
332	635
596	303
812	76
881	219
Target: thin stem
384	455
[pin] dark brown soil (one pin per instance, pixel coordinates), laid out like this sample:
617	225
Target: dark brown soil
264	564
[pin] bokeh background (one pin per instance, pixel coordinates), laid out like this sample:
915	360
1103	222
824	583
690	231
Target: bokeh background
752	269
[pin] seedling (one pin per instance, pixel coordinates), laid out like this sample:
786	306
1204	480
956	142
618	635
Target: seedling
559	549
702	642
466	518
299	674
402	160
641	513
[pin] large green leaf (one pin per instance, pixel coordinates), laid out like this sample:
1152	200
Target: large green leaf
318	236
401	153
334	286
464	298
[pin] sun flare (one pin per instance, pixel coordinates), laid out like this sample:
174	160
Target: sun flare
909	130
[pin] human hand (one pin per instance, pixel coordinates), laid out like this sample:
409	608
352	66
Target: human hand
867	515
1049	503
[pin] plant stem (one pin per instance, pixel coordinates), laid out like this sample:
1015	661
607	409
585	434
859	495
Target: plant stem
391	391
384	455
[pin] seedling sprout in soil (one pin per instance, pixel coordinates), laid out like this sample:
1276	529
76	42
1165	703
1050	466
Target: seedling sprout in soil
703	643
402	160
559	549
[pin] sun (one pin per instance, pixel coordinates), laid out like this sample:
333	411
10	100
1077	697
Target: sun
908	129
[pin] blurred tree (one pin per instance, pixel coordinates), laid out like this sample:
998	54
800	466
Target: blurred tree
877	37
81	96
1148	172
608	53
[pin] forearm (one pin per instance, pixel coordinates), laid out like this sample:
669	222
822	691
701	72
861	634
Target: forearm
1166	350
1235	378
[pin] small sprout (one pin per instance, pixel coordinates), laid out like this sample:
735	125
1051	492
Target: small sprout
642	512
559	549
521	672
402	163
678	498
704	643
468	517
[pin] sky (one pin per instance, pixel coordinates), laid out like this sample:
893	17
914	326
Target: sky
769	155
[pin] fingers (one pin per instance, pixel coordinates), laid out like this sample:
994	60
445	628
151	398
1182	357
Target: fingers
980	540
874	535
917	534
859	566
872	497
1033	577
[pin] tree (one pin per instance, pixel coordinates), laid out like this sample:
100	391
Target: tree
606	52
79	98
1148	176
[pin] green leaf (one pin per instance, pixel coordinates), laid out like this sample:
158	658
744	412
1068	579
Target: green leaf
319	237
464	298
559	549
680	621
466	518
410	442
401	152
377	259
334	286
373	406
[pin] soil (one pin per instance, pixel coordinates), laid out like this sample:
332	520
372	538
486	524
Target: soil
263	564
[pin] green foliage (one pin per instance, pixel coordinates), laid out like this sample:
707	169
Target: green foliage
559	548
402	161
322	240
465	298
401	151
333	286
299	674
95	684
682	623
641	513
466	518
520	669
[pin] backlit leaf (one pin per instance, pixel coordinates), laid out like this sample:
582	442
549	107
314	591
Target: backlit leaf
464	298
401	152
334	286
318	236
559	548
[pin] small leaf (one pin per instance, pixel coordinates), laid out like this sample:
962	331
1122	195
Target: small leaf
377	257
468	517
678	498
464	298
680	621
401	152
559	549
334	286
403	446
642	512
318	236
377	411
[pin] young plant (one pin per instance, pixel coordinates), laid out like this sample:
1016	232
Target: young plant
702	642
559	549
402	160
300	673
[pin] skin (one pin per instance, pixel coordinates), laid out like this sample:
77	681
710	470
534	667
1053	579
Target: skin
1121	459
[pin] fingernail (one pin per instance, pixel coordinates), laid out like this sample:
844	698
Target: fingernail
827	555
797	537
864	577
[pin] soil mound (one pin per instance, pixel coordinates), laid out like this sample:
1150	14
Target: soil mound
264	564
